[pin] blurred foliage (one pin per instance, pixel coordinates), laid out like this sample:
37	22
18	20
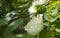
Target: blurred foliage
14	16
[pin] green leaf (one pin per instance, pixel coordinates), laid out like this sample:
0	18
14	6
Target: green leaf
45	34
57	30
3	21
46	16
54	12
8	35
1	36
24	36
14	25
57	24
0	5
41	9
18	0
46	24
53	19
58	16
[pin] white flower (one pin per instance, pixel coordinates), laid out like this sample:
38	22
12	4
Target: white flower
14	13
35	25
8	18
32	9
39	2
11	13
8	14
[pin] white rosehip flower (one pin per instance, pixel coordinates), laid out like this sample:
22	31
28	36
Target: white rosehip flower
36	3
43	1
32	9
35	25
40	2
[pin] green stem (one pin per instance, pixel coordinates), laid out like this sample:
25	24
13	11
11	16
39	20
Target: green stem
38	36
49	11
